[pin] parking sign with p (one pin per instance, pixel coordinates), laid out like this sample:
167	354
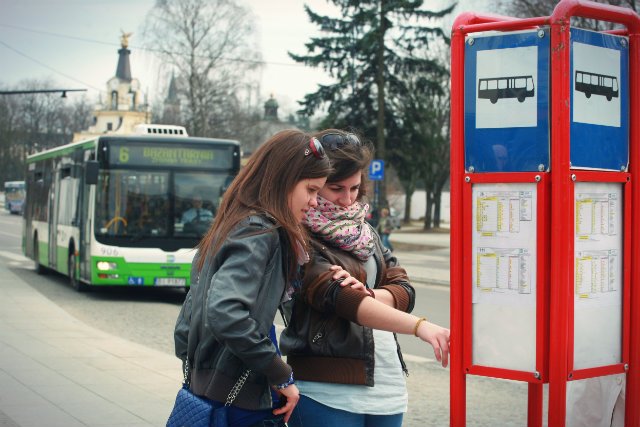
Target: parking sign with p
376	170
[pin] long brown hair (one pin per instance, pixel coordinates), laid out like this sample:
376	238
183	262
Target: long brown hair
348	159
263	186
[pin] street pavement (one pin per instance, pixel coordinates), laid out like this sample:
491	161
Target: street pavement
57	371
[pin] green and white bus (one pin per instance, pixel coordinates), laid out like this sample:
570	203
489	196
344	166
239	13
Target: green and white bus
111	210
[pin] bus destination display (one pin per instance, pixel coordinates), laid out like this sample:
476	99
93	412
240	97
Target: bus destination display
141	155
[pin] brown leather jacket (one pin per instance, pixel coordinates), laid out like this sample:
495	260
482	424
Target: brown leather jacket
323	340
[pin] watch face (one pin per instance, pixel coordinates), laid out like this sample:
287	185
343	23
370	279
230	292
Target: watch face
135	84
113	84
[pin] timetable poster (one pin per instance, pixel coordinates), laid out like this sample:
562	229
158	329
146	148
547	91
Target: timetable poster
504	275
598	278
504	243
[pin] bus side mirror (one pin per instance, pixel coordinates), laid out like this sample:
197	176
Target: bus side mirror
91	169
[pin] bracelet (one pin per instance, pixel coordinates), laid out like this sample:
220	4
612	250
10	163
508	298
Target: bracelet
288	383
415	328
371	293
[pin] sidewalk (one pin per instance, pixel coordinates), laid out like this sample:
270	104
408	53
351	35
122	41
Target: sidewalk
425	255
56	371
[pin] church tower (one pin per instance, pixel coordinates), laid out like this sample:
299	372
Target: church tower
123	107
171	113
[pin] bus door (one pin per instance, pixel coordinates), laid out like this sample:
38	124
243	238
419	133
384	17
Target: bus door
53	217
85	223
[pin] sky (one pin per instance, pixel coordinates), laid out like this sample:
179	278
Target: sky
74	44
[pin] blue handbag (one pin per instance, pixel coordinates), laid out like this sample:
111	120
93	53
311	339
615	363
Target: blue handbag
191	410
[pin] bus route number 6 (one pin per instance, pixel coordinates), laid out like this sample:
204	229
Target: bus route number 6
124	154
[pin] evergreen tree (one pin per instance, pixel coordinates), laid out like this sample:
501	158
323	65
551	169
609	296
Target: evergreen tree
371	51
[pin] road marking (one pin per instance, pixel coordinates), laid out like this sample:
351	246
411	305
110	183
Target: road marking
10	234
13	257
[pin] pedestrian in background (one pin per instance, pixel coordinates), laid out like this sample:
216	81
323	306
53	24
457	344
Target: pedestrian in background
340	337
385	227
240	275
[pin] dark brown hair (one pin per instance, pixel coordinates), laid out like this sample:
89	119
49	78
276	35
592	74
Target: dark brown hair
263	186
348	159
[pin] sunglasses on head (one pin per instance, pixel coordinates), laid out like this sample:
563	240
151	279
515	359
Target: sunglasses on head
335	141
315	148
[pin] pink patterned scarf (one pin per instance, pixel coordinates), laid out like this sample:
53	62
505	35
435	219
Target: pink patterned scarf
344	228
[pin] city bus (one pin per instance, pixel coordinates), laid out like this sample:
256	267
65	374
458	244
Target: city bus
495	88
14	192
596	84
111	210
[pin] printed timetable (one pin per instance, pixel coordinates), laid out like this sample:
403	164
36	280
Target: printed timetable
505	270
598	273
598	243
504	242
503	274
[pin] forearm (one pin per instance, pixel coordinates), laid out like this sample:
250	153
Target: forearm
385	297
378	314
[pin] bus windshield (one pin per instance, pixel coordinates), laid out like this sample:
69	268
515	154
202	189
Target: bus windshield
136	204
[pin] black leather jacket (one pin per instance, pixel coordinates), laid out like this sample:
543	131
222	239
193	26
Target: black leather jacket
223	327
323	340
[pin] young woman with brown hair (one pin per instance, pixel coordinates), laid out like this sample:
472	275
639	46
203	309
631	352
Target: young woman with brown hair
241	274
340	339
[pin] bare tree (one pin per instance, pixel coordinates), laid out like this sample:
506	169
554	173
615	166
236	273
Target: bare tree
33	122
208	43
531	8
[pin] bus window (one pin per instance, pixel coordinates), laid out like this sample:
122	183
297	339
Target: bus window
132	203
197	198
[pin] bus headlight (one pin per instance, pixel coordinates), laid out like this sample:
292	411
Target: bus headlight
104	265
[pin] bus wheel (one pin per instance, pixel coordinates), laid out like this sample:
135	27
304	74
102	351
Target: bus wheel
73	278
494	99
521	98
39	268
587	94
609	97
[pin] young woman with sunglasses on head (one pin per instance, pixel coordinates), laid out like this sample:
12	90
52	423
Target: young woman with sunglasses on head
340	338
240	275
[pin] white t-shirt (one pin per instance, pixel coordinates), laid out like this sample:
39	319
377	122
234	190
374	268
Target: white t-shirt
388	396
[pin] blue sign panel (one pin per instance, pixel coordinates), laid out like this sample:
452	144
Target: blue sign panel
599	101
132	280
376	170
507	102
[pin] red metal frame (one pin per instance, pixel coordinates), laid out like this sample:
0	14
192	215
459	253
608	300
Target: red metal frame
618	368
558	223
542	208
562	191
457	384
632	414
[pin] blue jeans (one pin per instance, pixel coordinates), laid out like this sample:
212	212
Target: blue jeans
386	242
309	413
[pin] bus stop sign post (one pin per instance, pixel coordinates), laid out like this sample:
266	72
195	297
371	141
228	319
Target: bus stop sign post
559	200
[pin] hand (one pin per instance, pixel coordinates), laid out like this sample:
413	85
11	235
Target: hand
349	280
438	337
293	396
